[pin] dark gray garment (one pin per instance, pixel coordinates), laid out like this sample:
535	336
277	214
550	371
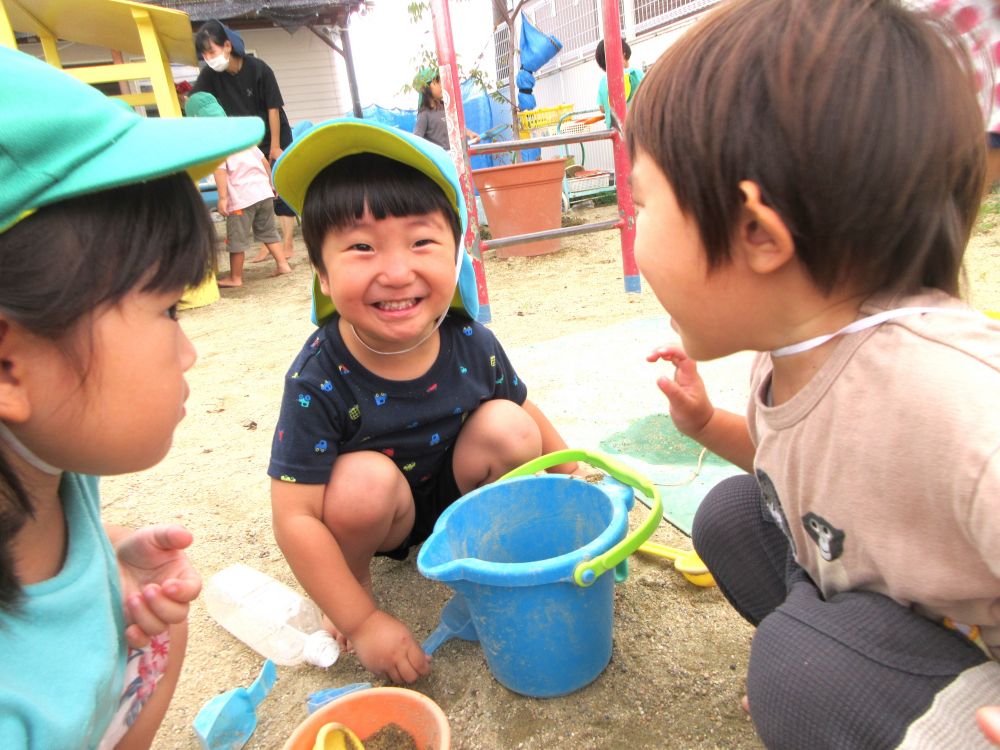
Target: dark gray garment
432	126
851	672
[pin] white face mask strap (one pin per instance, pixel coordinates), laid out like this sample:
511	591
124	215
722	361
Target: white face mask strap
863	323
22	450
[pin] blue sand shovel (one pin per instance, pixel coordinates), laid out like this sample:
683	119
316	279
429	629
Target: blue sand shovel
322	697
456	622
227	720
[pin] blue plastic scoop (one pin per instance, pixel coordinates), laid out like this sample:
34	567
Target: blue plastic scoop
226	721
456	622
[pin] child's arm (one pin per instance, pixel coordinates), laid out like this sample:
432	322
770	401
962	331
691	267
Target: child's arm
722	432
222	185
383	644
158	581
551	439
267	169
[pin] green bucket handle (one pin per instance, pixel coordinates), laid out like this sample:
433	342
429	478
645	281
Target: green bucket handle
587	572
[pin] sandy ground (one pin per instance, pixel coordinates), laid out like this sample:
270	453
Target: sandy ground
680	653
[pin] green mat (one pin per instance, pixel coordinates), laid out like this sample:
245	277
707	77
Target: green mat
654	446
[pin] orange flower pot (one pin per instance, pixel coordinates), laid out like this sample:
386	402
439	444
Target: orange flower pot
521	198
367	711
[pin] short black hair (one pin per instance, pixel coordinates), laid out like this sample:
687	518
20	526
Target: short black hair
862	130
340	194
213	31
599	53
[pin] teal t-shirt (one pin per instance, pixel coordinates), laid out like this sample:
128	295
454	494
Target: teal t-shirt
62	657
633	77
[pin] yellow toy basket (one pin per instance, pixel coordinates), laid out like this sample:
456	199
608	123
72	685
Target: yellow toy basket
542	121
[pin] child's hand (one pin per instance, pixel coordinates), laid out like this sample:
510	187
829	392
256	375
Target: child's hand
158	582
222	206
989	722
386	647
690	408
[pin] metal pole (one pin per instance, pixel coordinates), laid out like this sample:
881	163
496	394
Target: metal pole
352	80
623	167
451	87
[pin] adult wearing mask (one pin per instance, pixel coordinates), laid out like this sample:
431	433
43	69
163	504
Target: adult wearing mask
245	86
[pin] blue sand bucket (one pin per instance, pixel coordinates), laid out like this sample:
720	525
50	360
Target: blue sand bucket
528	554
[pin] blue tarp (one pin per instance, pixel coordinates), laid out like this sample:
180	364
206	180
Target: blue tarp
536	49
482	113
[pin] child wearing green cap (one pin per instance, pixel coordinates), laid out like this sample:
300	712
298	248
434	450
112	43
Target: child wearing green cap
101	231
397	404
431	120
246	198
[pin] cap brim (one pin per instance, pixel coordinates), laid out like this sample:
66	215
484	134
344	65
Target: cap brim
324	144
157	147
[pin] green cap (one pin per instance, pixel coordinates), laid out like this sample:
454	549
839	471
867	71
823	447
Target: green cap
60	138
423	78
203	104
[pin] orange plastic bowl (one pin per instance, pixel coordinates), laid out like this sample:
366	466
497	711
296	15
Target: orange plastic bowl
367	711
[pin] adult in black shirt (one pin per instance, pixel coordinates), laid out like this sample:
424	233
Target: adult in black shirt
246	87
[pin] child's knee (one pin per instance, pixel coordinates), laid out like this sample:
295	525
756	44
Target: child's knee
506	427
364	489
719	518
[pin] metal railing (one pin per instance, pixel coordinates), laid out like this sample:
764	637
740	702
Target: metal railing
455	116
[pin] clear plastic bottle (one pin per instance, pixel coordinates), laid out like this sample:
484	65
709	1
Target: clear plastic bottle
275	621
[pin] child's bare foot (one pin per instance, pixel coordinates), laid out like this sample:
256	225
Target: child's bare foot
229	283
261	257
745	705
280	270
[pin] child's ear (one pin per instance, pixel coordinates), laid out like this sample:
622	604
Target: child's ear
14	405
762	233
324	285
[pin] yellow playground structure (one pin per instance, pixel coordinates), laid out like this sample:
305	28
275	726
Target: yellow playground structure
159	36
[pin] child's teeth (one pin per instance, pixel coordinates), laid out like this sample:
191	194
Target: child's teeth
397	305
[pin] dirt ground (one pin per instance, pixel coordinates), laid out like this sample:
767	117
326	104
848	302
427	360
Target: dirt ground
680	653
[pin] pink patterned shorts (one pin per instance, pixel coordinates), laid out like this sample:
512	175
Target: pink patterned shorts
143	669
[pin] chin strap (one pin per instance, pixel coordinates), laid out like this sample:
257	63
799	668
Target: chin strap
22	450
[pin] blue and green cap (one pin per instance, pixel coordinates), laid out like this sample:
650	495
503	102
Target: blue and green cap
330	141
60	138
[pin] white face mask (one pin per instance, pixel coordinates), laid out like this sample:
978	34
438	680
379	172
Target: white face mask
218	64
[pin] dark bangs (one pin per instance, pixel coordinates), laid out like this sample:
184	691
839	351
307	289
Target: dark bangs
339	196
69	258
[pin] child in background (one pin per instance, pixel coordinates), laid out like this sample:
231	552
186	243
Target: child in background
633	77
827	234
246	199
432	122
396	406
101	231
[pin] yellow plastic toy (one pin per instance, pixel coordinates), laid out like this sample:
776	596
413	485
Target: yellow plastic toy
336	736
686	562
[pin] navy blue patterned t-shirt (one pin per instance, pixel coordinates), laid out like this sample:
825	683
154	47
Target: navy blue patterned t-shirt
332	405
